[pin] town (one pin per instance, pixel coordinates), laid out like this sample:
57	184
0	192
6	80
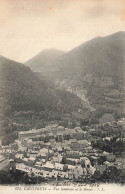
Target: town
60	153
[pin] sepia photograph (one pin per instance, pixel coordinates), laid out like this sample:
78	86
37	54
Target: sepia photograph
62	96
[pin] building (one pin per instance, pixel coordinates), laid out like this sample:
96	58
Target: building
29	133
77	133
72	161
73	144
59	166
73	154
110	157
60	136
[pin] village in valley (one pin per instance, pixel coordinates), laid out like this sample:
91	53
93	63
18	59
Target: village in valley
59	153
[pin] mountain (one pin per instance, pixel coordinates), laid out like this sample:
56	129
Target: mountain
94	71
27	102
104	53
43	59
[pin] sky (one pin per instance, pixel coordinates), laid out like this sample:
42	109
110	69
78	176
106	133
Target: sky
29	26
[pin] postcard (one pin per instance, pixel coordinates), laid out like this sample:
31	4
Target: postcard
62	96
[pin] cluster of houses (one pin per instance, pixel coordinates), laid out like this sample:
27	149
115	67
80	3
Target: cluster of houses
55	151
56	170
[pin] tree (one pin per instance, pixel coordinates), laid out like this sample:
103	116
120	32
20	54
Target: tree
113	175
65	168
101	160
63	160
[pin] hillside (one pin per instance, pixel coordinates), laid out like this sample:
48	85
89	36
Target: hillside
44	59
27	102
103	53
95	71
